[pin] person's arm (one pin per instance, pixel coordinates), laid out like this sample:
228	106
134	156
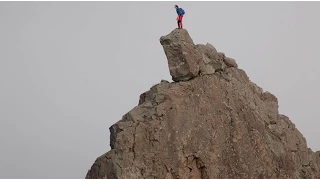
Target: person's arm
178	12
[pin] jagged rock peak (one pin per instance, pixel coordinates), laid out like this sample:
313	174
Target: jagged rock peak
218	125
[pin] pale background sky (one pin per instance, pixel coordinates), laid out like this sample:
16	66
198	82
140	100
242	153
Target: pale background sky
69	70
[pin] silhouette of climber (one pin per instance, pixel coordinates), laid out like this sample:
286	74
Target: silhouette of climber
180	13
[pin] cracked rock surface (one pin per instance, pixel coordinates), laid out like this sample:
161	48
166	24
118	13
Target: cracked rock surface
214	124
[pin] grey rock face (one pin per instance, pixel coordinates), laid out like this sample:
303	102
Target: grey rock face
187	60
183	57
218	125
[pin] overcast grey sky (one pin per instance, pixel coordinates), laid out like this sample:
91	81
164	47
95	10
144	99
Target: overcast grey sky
69	70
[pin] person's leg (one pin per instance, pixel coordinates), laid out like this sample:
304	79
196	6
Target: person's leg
180	21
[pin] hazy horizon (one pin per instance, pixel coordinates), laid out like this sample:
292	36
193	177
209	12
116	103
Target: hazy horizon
69	70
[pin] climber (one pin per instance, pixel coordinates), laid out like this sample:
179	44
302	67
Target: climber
180	13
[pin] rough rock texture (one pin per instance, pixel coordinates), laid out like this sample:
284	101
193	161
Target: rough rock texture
187	60
213	125
183	57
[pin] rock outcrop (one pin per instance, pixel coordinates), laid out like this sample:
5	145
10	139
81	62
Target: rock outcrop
213	122
187	60
183	57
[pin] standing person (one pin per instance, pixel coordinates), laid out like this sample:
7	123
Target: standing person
180	13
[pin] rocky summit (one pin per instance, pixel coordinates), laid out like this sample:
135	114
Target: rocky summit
211	122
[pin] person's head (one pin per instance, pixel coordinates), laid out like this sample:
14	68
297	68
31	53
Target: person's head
176	6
